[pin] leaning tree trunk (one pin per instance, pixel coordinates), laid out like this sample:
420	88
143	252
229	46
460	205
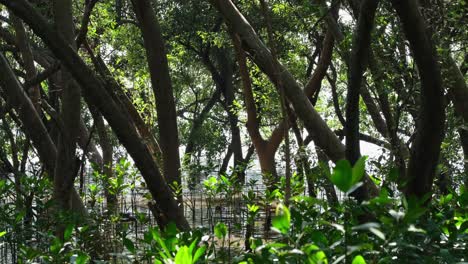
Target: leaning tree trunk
95	93
162	87
322	135
107	160
34	128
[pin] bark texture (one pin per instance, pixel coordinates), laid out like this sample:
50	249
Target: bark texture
34	128
162	87
430	124
322	135
357	66
96	94
66	167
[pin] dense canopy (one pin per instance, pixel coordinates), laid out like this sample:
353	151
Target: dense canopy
233	131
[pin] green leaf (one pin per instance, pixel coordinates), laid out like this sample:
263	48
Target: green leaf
183	256
358	260
56	245
342	175
68	232
359	170
129	245
82	258
154	233
282	220
198	254
2	233
220	230
315	255
192	246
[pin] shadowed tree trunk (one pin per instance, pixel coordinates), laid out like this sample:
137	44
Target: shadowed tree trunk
162	87
358	64
193	134
458	92
28	59
430	124
125	103
66	167
226	73
464	140
96	94
107	161
386	127
34	128
323	136
224	83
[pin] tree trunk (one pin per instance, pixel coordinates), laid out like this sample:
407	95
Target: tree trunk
464	140
96	94
162	87
107	160
34	128
323	136
66	167
357	66
226	73
193	176
125	102
430	125
458	92
28	59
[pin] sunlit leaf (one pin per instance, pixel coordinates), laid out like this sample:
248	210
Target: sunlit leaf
220	230
68	232
358	260
358	170
183	256
342	175
82	258
282	220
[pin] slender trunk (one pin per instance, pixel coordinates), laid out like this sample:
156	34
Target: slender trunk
95	93
389	129
28	59
197	124
458	92
226	73
303	165
357	66
34	128
430	125
162	87
464	140
330	191
323	136
226	159
87	144
107	160
193	177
